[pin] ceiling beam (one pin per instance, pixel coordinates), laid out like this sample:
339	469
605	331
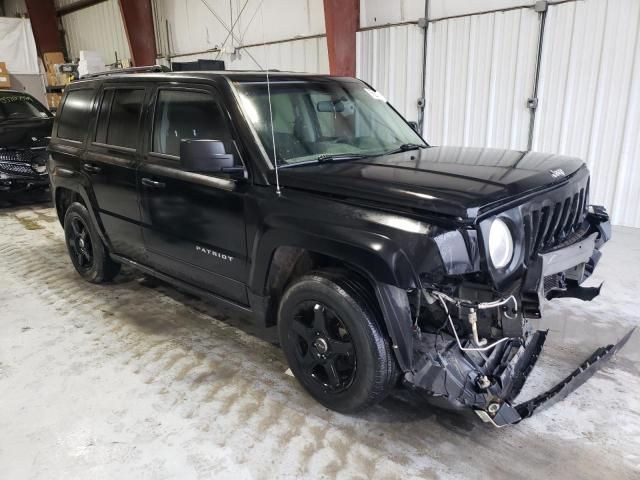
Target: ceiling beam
138	23
75	6
342	19
42	15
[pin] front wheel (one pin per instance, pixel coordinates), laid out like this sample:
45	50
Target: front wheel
333	343
88	254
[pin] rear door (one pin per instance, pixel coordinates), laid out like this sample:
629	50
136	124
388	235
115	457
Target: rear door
68	140
193	223
111	161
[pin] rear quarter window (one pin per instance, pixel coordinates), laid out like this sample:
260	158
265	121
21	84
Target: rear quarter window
74	118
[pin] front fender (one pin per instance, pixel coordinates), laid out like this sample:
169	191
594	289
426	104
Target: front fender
373	253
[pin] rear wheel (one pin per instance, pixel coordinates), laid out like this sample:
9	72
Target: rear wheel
333	343
88	254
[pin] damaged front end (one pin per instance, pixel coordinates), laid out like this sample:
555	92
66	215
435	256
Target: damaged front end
474	344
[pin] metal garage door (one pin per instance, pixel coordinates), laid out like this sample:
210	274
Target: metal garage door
590	97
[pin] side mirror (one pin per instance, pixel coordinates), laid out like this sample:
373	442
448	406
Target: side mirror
206	156
414	126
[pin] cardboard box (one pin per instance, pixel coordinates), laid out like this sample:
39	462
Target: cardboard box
52	78
52	58
53	100
5	81
57	79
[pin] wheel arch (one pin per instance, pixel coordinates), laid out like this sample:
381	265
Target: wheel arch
65	195
386	278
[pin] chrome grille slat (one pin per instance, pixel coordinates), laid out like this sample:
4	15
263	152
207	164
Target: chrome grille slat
17	168
22	156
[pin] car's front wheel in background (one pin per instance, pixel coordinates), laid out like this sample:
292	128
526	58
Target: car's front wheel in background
88	254
333	342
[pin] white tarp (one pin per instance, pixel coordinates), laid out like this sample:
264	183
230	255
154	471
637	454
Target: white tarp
17	46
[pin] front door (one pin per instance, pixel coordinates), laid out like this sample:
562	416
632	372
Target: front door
193	223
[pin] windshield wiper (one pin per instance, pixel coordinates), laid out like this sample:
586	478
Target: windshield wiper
405	147
332	157
325	158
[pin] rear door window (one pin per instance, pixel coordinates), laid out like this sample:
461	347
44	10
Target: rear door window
74	117
119	117
184	114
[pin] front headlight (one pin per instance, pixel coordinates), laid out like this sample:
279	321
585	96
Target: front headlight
500	244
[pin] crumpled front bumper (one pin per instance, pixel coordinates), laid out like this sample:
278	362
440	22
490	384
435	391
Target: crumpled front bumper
488	380
443	370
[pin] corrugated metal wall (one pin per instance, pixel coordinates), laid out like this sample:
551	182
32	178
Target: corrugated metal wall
390	59
14	8
590	97
308	55
99	28
480	72
195	26
379	12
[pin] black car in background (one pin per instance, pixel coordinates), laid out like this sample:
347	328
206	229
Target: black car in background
383	261
25	130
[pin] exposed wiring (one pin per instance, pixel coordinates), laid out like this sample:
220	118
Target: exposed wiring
443	298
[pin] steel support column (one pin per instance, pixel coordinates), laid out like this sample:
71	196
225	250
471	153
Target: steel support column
138	23
44	22
342	20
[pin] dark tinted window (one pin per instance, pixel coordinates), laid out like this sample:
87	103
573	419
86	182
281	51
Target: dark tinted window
182	115
122	129
73	120
103	116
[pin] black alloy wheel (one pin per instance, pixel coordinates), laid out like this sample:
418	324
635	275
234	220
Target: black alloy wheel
88	254
333	342
80	245
324	347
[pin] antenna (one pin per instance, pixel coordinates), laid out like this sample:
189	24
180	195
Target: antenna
273	135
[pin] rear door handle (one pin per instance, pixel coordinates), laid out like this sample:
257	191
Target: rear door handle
91	168
147	182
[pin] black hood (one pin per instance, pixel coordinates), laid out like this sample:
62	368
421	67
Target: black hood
453	181
28	133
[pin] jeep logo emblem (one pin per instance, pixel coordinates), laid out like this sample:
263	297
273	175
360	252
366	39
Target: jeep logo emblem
557	173
213	253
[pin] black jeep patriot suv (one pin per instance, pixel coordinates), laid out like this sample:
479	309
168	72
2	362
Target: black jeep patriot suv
384	261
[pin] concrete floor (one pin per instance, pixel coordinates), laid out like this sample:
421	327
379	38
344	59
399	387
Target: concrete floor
133	380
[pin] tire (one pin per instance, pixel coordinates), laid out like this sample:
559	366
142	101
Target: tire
86	250
324	313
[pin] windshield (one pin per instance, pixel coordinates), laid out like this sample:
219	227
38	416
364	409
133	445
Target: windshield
15	105
313	120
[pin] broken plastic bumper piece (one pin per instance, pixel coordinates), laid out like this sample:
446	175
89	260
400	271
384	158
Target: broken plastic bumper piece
488	382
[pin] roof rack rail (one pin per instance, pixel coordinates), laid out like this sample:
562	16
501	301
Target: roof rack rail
149	69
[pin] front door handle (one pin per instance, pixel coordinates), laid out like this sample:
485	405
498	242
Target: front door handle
91	168
147	182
